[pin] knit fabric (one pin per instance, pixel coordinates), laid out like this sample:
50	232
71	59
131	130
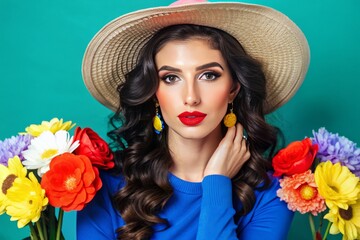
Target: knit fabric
201	211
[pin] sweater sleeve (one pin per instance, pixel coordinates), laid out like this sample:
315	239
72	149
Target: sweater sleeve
217	213
99	219
269	219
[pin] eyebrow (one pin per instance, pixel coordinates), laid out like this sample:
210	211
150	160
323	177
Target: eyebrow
208	65
204	66
165	67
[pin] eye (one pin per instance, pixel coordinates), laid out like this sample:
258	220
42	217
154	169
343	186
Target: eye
209	76
169	79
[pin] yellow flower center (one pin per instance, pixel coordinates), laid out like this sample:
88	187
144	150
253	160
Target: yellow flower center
307	192
70	183
8	183
49	153
346	214
334	188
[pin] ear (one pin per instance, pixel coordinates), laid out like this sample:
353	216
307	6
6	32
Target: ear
234	91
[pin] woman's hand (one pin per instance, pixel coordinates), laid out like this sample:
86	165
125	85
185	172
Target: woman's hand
230	155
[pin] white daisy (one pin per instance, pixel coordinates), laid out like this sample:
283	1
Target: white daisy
45	147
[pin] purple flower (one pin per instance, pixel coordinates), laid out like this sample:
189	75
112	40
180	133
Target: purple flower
337	149
13	146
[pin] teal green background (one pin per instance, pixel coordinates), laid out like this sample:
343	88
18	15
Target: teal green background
42	43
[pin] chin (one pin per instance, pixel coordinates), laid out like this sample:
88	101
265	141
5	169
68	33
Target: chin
197	132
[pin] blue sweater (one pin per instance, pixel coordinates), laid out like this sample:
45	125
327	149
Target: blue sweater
201	211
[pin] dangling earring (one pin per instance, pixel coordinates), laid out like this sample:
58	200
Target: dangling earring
230	118
158	124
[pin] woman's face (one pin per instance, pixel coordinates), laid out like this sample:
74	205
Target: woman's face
195	88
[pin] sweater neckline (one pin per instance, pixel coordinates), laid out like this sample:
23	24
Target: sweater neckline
181	185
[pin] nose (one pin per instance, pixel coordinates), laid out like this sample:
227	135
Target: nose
192	95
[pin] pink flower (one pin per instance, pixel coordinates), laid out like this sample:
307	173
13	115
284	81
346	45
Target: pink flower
300	192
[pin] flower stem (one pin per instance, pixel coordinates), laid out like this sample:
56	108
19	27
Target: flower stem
52	222
312	226
60	220
44	227
33	234
327	230
40	230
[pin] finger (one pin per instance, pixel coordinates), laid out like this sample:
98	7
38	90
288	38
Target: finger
230	134
239	133
247	155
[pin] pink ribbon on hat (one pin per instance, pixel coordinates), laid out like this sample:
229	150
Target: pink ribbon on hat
185	2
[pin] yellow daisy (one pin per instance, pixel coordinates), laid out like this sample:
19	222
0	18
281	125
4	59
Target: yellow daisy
337	185
45	147
345	221
7	177
26	200
53	126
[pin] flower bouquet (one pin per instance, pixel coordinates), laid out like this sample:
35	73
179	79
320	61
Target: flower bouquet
45	168
321	178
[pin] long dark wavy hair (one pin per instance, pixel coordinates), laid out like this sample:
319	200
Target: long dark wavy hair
144	159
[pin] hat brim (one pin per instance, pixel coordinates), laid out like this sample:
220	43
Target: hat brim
266	34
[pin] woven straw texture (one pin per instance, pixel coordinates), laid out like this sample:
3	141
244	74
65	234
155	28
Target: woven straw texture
266	34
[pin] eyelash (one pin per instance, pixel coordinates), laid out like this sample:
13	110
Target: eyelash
213	73
165	78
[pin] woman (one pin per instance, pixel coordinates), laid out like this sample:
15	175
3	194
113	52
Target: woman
183	173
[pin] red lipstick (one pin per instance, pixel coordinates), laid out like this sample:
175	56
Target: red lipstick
191	118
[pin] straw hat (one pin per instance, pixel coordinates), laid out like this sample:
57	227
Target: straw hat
266	34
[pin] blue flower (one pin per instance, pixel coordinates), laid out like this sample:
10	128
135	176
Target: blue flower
13	146
337	149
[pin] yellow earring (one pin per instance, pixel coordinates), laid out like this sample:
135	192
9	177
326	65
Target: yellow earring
158	124
230	118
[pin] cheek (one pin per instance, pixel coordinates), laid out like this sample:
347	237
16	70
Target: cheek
218	97
164	98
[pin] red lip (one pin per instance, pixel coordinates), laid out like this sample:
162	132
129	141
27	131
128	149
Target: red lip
191	118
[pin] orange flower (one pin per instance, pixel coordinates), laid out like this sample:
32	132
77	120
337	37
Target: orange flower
71	181
297	157
300	192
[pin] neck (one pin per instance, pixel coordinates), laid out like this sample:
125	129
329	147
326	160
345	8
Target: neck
190	156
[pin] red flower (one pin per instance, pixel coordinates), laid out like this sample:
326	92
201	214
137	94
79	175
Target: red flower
71	181
94	147
297	157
